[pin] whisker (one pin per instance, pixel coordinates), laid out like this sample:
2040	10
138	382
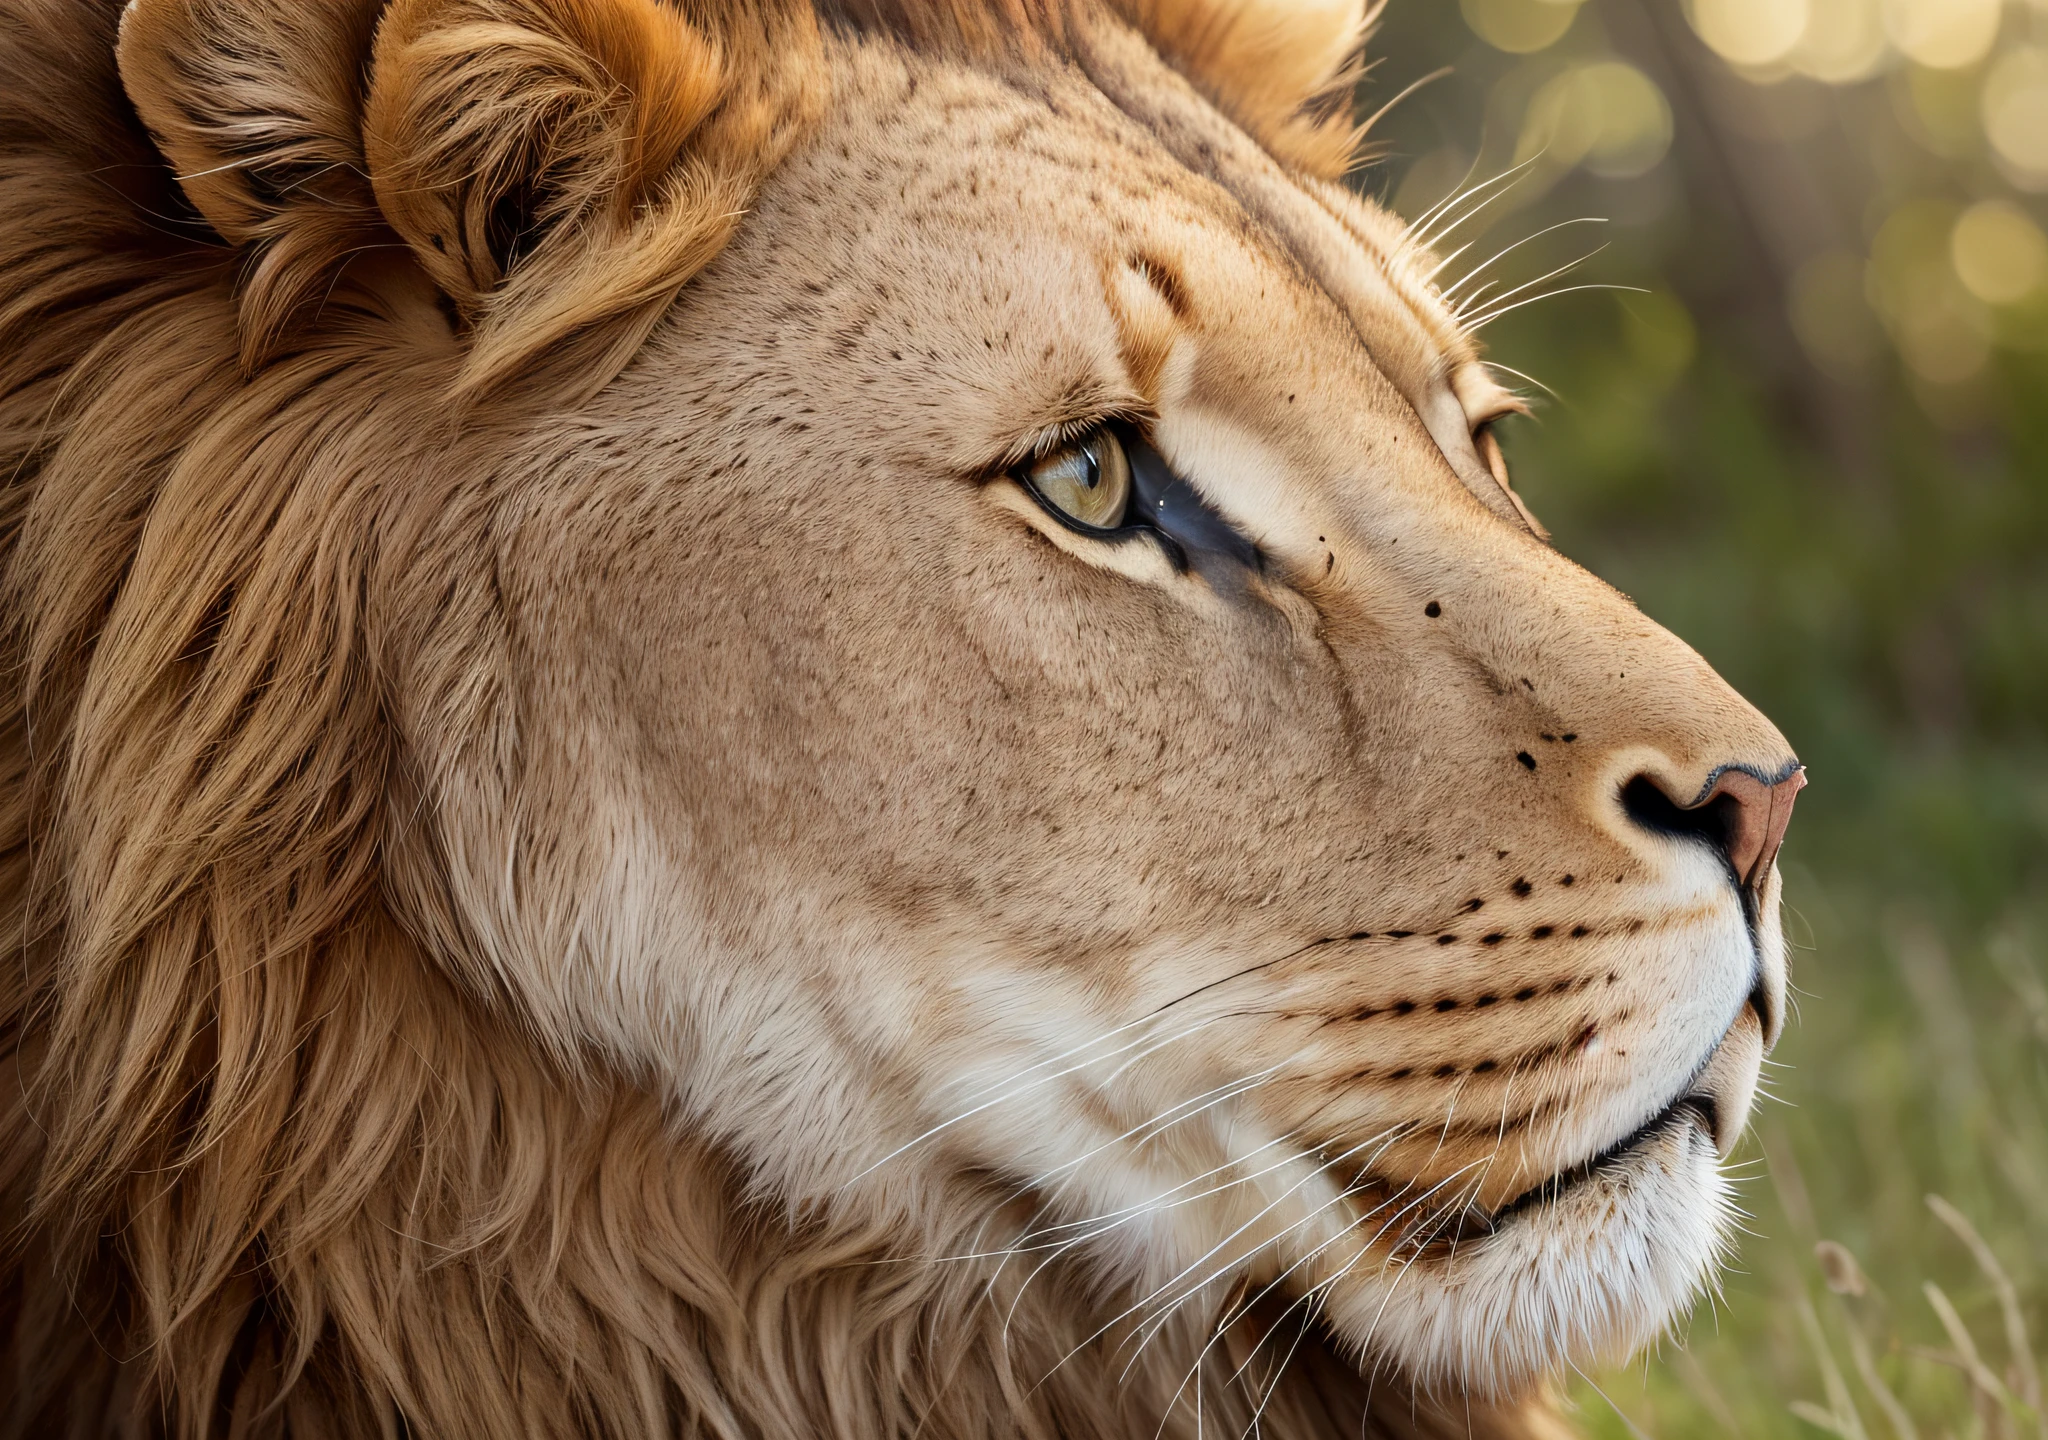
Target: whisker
1502	254
1358	1223
1045	1080
1619	1414
1380	114
1133	1211
1220	1245
1448	260
1431	225
1494	315
1565	269
1419	225
1159	1124
1523	375
1323	1288
1110	1220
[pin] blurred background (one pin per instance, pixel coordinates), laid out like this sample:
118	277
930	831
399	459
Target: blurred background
1811	436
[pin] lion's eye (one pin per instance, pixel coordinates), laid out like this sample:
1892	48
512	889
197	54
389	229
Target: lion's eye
1086	483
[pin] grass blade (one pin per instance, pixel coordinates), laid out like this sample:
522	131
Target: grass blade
2016	1341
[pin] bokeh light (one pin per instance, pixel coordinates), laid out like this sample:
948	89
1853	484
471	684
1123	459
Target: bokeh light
1750	32
1999	252
1901	143
1608	116
1939	327
1843	42
1942	34
1520	27
2016	114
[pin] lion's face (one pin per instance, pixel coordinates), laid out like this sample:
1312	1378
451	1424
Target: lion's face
1295	888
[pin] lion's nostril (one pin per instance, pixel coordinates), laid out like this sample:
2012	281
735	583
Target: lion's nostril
1741	816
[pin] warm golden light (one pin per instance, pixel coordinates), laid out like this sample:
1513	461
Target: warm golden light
2016	114
1520	27
1938	326
1750	32
1843	43
1609	117
1999	252
1942	34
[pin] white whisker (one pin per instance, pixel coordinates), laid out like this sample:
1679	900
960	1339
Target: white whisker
1493	315
1565	269
1432	225
1523	375
1023	1090
1476	271
1175	1280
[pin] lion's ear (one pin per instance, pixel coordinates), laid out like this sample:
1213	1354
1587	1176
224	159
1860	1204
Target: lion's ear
552	162
496	126
558	167
1284	69
256	104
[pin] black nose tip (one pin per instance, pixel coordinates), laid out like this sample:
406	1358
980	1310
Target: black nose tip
1742	817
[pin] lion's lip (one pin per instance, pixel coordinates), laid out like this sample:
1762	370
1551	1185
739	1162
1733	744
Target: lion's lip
1707	1100
1435	1233
1694	1107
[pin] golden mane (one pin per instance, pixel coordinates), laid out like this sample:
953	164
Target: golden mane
269	1169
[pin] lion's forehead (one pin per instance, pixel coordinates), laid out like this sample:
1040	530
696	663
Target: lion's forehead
963	232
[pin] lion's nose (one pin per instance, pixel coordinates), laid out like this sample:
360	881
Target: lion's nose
1743	815
1756	813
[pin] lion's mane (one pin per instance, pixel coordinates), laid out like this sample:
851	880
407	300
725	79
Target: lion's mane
267	1168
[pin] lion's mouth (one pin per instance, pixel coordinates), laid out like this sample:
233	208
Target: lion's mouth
1426	1230
1700	1104
1694	1108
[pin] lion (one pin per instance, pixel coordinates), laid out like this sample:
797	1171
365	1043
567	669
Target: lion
756	718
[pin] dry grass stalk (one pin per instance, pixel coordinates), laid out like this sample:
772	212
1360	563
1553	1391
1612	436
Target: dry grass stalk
1840	1418
2025	1370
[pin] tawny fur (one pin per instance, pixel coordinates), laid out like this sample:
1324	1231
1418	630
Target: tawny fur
281	1151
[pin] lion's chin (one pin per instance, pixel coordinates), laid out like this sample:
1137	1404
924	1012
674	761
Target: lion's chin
1587	1270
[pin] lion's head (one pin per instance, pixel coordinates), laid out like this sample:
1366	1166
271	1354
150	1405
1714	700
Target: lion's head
791	721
